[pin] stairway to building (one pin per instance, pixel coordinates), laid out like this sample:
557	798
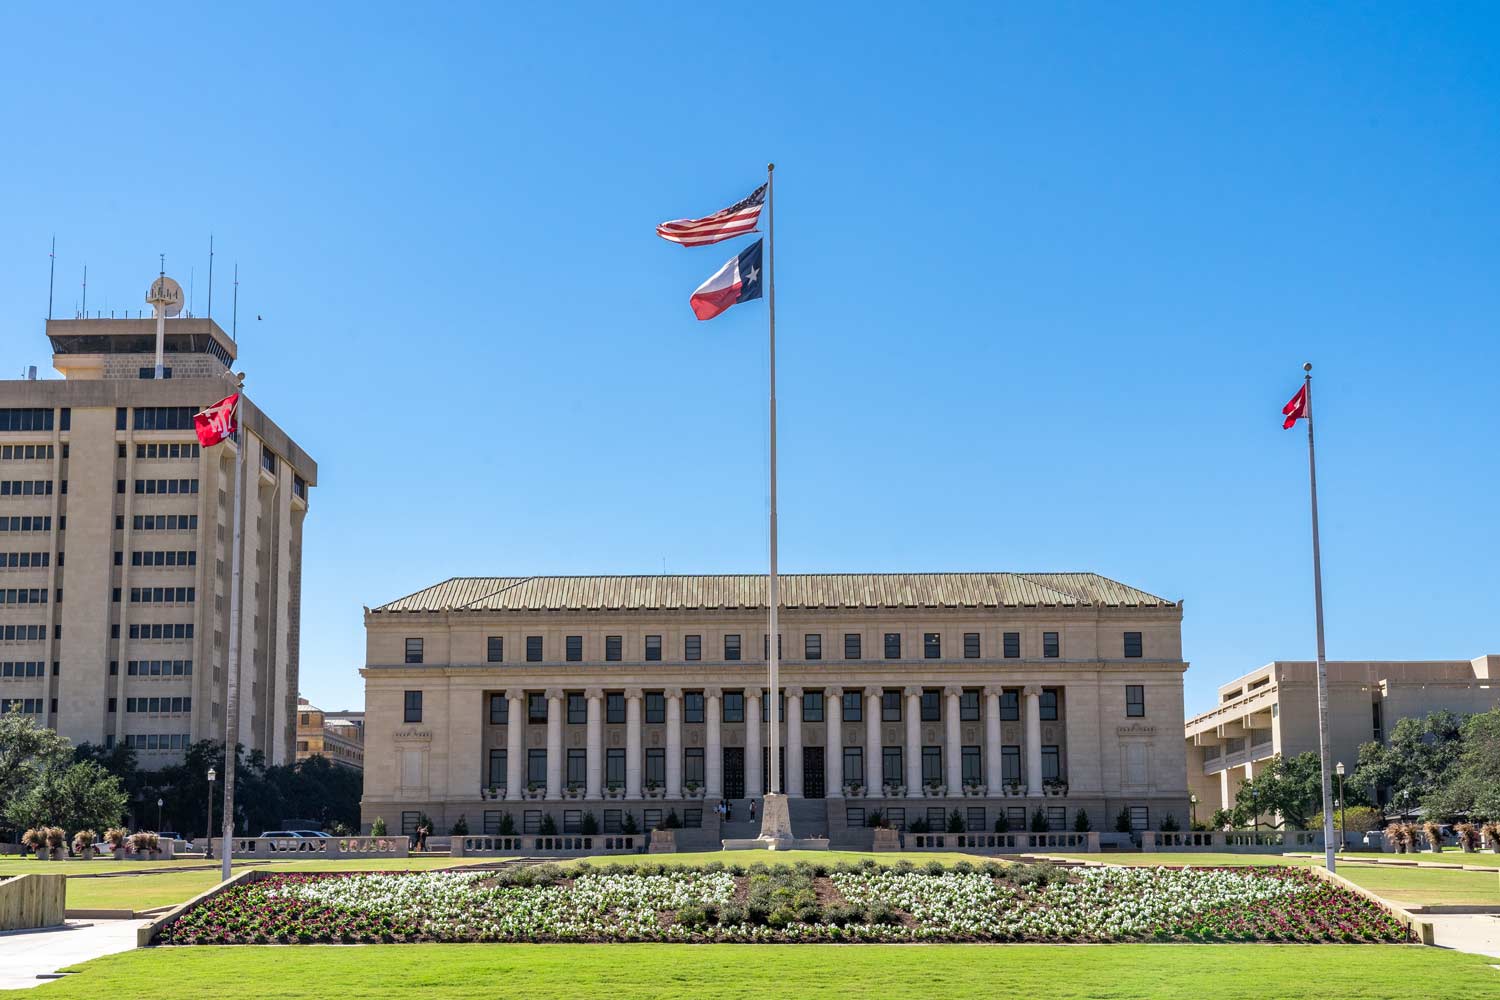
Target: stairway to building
809	819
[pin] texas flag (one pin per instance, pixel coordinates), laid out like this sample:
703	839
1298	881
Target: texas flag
736	281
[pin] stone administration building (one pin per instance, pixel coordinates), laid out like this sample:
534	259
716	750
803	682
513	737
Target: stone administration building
997	695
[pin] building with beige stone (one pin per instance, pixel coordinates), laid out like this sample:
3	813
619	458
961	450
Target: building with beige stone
115	537
338	736
1274	710
625	698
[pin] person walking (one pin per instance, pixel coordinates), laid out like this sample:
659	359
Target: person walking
752	810
423	829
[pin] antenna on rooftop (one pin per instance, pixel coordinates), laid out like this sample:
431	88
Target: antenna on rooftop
51	273
210	275
85	291
234	321
192	280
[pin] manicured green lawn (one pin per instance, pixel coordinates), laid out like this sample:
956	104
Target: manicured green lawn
748	858
12	865
1204	860
1425	885
621	971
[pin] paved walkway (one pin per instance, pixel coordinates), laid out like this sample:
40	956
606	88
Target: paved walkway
25	955
1478	933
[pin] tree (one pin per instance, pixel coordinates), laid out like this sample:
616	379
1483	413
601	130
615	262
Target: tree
1222	819
1472	784
81	796
1414	764
26	751
1289	787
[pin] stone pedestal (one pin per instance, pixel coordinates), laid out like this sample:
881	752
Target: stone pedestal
776	831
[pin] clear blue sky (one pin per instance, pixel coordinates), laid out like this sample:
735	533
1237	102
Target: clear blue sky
1045	276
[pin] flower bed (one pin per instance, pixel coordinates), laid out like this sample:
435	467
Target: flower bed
796	903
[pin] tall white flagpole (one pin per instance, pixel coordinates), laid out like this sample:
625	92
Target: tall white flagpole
1327	769
774	642
232	695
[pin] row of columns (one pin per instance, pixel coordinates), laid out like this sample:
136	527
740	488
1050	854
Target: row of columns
833	761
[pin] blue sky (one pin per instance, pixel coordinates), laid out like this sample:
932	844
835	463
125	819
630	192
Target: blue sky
1046	275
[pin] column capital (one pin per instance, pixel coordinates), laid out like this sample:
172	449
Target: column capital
833	694
713	692
592	693
993	690
874	691
673	694
516	694
952	691
1032	690
792	692
913	690
635	694
554	694
753	694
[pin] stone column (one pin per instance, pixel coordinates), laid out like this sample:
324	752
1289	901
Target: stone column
713	745
1226	801
952	748
594	785
793	742
515	746
674	743
1033	695
633	743
753	784
874	756
554	743
993	766
914	742
833	752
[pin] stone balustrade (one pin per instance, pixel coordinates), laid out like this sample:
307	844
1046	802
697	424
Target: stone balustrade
558	844
293	847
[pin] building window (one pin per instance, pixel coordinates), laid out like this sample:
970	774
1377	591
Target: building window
572	818
812	646
533	649
413	649
1010	765
531	821
651	818
896	818
578	709
1133	644
854	817
495	649
854	706
765	706
932	705
1377	728
573	648
765	647
656	708
734	706
409	821
692	766
812	706
893	645
413	706
1057	818
612	821
692	647
499	710
890	705
614	708
1051	764
973	769
614	648
536	707
536	768
656	767
854	765
731	647
851	646
614	767
932	766
1049	705
577	768
498	768
653	647
932	645
1135	700
971	645
968	706
890	759
1010	705
974	819
1140	818
1049	645
692	707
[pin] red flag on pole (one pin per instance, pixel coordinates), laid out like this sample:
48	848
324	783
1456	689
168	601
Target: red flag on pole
217	423
1295	409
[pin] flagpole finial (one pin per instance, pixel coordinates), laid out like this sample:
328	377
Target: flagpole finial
770	167
1307	366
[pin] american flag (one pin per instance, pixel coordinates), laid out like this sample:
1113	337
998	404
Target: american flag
736	220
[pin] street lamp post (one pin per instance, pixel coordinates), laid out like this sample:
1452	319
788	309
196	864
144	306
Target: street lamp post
1193	809
208	841
158	814
1255	809
1343	836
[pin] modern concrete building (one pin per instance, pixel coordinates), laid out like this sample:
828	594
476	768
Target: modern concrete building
997	695
1274	710
339	736
115	537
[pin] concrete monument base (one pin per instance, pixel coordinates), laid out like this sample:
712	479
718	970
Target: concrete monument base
776	831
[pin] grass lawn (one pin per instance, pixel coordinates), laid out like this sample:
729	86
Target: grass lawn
12	865
1205	860
1425	885
539	972
748	858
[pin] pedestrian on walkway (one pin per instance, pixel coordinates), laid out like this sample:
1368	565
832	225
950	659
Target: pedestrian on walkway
752	810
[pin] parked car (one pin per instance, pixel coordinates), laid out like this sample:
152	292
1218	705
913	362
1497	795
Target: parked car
311	834
170	835
285	834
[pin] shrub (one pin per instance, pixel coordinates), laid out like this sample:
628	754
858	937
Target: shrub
843	914
1038	821
875	819
590	824
1169	824
1492	831
377	828
83	840
955	822
55	836
1468	836
145	842
1222	820
548	827
34	838
1434	834
507	825
628	824
1002	825
461	828
1081	822
671	822
918	825
733	914
934	868
117	837
1122	821
1356	819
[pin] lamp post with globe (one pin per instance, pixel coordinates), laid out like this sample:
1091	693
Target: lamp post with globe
1343	835
208	840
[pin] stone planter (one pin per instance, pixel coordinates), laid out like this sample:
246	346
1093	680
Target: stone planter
87	854
854	791
894	791
1013	792
535	794
1056	791
663	842
615	792
886	839
693	792
574	792
654	793
935	791
42	854
973	791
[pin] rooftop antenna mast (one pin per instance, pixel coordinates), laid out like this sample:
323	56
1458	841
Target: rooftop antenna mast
51	273
192	283
165	297
85	291
210	275
234	317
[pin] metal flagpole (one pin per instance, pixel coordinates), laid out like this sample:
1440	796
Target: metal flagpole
774	642
1312	478
232	695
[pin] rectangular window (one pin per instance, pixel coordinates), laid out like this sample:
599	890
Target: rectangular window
1377	728
1135	700
413	649
692	766
812	706
656	767
734	706
896	817
536	707
499	710
851	646
692	647
536	768
656	708
653	647
651	818
890	705
413	706
1140	818
974	819
973	769
531	821
932	705
614	708
1010	705
812	646
765	647
731	647
1010	765
498	768
1051	764
854	765
893	645
692	707
612	819
932	766
572	818
614	767
935	818
1050	647
409	821
971	645
1133	644
533	649
578	709
968	706
932	645
854	702
1057	818
614	648
890	758
1049	705
495	649
491	822
854	817
577	767
573	648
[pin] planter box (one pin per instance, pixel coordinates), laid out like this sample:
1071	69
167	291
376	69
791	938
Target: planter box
617	792
886	839
663	842
854	791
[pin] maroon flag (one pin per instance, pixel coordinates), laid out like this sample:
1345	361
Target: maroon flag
217	423
1295	409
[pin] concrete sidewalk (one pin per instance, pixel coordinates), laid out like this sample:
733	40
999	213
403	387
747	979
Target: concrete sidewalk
1478	933
25	955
